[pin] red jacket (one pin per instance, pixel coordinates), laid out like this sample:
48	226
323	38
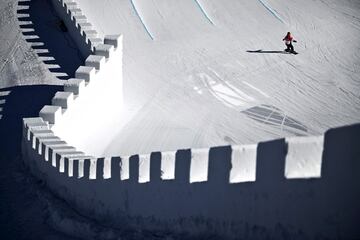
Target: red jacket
288	39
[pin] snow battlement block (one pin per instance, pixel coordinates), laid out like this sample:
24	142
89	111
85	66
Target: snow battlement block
304	157
50	113
47	145
63	99
96	61
29	122
58	150
75	165
65	1
68	6
199	165
75	12
41	141
243	163
114	40
89	33
74	85
61	163
79	19
38	134
93	42
104	50
85	72
84	26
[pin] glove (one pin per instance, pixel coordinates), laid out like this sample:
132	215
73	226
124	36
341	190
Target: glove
294	41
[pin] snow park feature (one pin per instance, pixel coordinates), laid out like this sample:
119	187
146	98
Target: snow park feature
180	120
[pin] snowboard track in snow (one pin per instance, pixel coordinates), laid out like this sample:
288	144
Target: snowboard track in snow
203	11
141	19
272	11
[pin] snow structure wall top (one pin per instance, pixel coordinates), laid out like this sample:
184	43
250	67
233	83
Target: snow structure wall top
219	190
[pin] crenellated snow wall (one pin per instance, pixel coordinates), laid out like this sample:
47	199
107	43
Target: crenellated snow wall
286	188
233	191
83	33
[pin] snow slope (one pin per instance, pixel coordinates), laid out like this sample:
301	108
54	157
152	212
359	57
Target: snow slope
193	76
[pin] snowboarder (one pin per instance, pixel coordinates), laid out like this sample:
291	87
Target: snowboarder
288	42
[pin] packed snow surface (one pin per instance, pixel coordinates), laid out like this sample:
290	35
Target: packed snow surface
201	73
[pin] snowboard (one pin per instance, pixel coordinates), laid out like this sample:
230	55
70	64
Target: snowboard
293	52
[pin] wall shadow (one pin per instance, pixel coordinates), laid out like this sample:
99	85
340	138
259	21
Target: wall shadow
49	37
17	103
21	215
271	115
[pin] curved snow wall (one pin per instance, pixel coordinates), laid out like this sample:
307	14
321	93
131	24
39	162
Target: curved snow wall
250	191
287	188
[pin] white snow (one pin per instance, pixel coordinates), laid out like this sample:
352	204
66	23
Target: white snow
193	84
189	82
125	171
304	157
144	168
92	174
168	165
243	161
199	165
107	168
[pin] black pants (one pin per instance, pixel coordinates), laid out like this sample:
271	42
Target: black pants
289	47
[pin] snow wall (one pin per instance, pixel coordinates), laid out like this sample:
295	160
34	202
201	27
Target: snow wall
297	187
97	87
286	188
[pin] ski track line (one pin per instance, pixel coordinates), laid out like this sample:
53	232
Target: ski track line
141	20
256	89
203	11
272	11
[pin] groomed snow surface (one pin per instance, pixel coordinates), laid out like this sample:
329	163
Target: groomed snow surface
194	76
